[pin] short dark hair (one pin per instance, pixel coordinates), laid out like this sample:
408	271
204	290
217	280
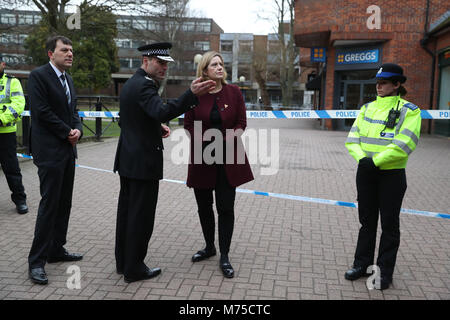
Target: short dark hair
50	45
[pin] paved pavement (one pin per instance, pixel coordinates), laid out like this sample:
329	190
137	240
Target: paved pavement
281	249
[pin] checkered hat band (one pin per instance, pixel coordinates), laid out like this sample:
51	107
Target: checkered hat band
157	52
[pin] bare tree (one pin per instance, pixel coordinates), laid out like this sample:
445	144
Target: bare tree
283	17
260	72
167	17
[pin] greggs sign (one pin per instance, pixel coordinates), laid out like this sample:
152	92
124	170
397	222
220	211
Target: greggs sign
354	57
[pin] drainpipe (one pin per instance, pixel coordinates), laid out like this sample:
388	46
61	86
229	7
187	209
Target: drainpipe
423	44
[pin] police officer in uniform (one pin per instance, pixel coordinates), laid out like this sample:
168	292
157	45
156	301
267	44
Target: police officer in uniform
381	139
12	104
139	159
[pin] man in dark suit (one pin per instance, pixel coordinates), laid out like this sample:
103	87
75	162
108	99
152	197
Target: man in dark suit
139	159
55	131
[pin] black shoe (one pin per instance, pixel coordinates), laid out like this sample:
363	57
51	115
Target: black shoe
227	269
150	273
22	208
384	283
66	256
356	273
203	254
38	275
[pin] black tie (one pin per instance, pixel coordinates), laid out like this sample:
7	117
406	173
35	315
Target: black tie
66	89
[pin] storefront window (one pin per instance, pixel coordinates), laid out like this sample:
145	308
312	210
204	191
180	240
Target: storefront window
442	127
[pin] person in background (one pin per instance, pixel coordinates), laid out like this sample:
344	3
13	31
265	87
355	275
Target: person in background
12	104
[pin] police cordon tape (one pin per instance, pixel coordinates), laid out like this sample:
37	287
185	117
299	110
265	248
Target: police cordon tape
287	196
292	114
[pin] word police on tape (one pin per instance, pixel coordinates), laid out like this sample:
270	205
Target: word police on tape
291	114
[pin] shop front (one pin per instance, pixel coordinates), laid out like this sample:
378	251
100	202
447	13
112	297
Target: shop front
442	127
355	69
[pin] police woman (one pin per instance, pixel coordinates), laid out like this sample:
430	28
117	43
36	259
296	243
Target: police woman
381	139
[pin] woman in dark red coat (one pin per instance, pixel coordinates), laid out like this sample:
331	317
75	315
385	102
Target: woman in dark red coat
212	167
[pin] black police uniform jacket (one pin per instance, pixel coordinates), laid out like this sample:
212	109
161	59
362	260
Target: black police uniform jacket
139	151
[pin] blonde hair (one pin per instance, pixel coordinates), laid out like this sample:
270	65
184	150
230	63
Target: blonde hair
204	63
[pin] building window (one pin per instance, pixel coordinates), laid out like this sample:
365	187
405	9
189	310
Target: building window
140	24
22	38
13	59
202	45
7	18
226	46
37	19
137	43
204	26
245	46
244	70
123	24
25	19
188	65
7	38
136	63
154	26
124	63
229	69
123	43
188	26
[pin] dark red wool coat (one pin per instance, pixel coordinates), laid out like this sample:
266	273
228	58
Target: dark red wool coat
233	114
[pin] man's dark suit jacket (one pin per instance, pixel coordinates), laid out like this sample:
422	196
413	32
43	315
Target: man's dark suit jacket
139	151
52	117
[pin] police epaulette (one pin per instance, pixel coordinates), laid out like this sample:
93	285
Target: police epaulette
8	76
411	106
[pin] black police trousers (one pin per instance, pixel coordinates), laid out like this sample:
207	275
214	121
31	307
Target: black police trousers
380	193
10	166
225	196
134	226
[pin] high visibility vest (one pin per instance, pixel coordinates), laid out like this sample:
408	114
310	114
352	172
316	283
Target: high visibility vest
12	103
388	148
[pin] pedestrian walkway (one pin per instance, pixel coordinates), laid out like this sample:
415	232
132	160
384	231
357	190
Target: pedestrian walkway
281	249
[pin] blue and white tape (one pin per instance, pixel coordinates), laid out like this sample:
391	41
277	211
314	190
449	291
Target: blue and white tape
288	196
292	114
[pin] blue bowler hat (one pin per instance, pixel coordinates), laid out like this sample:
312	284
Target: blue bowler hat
390	71
158	49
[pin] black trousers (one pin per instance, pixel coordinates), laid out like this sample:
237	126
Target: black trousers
10	166
56	188
225	196
380	192
134	226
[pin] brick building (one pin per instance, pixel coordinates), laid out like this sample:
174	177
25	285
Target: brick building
355	46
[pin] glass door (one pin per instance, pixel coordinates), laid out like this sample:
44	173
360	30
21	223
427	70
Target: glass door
355	94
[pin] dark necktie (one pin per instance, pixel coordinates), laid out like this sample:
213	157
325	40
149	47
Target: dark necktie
66	89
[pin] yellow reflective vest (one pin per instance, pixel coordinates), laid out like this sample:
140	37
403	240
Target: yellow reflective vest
12	103
388	148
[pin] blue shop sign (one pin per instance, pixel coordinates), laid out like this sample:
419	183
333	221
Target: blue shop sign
355	57
318	55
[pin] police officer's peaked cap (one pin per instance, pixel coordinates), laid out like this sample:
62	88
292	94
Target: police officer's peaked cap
391	71
159	49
